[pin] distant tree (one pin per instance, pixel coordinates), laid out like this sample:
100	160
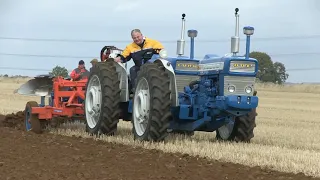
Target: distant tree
280	70
59	71
269	71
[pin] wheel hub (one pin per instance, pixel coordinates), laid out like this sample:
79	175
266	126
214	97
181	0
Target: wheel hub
142	110
93	101
226	130
141	107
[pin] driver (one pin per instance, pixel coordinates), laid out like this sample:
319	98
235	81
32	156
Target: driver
135	51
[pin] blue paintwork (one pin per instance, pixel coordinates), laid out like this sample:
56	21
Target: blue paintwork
42	101
194	34
192	48
27	117
248	28
248	40
247	47
204	107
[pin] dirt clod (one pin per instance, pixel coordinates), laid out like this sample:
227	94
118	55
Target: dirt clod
13	120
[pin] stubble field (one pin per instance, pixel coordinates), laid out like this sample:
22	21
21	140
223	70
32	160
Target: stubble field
286	141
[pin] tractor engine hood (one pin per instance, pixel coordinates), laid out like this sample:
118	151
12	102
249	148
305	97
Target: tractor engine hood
228	65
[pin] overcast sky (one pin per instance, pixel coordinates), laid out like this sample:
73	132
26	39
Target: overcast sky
284	24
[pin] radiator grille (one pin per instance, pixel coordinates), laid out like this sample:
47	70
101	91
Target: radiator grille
240	83
184	80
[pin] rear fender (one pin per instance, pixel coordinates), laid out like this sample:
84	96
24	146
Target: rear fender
173	84
123	77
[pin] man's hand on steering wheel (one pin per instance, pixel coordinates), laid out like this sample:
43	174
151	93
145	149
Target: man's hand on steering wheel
117	59
156	50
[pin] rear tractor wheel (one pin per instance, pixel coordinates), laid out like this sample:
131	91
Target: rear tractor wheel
151	104
102	99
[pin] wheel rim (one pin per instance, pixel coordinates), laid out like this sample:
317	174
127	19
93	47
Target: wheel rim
27	120
141	107
93	101
226	130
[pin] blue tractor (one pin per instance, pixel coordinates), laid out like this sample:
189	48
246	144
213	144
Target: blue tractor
177	94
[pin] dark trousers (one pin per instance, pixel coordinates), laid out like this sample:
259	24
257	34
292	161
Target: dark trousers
133	75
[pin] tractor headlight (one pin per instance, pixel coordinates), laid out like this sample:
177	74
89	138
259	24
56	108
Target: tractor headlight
231	89
248	89
163	53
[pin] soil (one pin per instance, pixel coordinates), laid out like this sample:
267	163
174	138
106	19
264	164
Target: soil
14	120
25	155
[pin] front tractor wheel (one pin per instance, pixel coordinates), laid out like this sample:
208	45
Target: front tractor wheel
151	104
102	99
239	130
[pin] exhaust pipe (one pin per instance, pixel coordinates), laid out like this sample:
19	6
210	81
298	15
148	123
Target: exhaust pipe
181	42
235	40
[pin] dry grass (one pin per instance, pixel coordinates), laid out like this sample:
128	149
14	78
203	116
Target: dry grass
301	88
286	137
9	101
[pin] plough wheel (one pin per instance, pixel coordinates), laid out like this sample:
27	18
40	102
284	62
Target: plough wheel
32	122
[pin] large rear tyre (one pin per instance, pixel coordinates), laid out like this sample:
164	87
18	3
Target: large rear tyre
32	122
241	130
102	99
151	104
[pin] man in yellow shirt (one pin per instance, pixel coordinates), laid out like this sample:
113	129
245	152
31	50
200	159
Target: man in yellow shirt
135	51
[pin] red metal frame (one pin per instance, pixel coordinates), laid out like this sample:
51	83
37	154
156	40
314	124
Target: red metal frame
70	108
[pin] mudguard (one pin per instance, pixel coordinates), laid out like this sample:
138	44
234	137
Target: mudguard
123	77
173	83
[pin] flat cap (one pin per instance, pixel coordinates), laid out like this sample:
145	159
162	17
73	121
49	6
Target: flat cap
94	61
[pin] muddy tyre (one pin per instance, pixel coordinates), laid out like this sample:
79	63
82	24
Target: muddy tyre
102	99
151	103
32	121
243	128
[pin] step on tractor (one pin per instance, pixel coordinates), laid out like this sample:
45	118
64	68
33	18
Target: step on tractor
177	94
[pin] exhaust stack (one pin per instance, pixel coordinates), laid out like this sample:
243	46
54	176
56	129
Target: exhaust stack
181	42
235	40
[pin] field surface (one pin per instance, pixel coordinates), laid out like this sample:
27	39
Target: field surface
286	145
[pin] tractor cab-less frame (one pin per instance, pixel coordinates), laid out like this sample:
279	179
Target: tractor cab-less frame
177	94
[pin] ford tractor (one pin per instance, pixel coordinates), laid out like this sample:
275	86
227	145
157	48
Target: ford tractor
177	94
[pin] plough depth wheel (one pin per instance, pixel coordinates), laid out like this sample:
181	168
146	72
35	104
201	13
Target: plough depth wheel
32	122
